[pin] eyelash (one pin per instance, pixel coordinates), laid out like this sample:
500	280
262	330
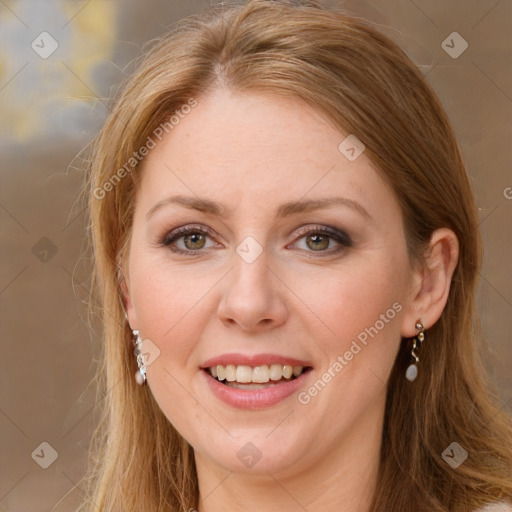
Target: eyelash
342	238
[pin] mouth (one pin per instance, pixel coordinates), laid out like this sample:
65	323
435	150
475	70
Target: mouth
255	381
247	377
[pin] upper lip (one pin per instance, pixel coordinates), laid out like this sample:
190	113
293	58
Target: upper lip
253	360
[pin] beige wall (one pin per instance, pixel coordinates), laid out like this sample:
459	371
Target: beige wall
50	109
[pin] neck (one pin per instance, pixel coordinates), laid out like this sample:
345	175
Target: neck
341	479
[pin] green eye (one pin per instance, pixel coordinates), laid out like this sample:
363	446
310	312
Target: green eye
197	241
318	242
194	239
318	239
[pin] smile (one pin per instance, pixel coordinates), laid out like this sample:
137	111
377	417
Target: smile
255	381
245	377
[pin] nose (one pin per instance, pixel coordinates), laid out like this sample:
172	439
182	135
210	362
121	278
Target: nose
253	296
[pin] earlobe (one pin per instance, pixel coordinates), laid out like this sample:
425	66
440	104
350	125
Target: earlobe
434	281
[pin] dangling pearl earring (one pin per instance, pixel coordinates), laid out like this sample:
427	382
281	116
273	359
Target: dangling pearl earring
412	370
140	375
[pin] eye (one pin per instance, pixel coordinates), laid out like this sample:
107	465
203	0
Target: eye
320	238
193	239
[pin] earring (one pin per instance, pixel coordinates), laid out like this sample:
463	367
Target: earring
412	370
140	375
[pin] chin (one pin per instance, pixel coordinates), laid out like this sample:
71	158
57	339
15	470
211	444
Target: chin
258	451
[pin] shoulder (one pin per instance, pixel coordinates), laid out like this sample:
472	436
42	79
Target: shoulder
496	507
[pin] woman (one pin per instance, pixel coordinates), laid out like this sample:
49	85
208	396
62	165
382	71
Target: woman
284	231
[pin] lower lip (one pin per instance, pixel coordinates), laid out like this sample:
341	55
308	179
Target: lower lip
257	398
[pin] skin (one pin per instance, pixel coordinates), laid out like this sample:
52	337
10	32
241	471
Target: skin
253	152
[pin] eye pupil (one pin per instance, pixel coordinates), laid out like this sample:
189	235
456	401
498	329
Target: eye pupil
317	241
195	238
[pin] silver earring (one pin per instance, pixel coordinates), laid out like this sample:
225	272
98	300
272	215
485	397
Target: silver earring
412	370
140	375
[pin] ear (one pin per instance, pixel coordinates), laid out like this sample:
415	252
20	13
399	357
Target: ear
126	298
432	282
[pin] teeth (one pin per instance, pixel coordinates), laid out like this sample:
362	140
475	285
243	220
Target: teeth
230	373
276	371
287	371
259	374
243	374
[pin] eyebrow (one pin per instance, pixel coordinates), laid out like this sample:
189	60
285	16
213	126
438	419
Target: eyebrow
284	210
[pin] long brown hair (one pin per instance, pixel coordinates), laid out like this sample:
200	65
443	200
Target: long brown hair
366	85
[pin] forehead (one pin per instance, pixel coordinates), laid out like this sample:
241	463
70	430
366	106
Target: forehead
257	150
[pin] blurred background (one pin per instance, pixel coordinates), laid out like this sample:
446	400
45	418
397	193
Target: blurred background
60	61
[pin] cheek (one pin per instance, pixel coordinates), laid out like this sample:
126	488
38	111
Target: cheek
168	306
362	309
170	312
361	306
350	301
165	297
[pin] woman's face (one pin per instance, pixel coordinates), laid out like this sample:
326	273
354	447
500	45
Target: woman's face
295	257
